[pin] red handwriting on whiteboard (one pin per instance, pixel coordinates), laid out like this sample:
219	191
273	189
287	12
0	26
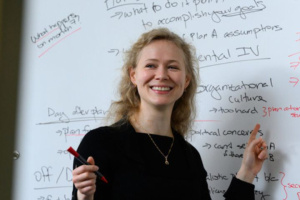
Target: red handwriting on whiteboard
294	80
294	111
295	62
292	186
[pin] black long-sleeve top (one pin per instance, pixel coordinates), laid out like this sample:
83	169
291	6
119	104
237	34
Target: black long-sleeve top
135	169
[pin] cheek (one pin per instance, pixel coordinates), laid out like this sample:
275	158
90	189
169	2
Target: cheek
143	77
182	81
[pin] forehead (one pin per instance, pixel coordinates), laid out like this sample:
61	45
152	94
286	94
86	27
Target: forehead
161	49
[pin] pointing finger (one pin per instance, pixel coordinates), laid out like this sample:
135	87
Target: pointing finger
254	133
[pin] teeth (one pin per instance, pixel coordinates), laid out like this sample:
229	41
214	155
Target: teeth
161	88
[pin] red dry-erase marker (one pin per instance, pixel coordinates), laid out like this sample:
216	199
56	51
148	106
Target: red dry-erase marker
84	162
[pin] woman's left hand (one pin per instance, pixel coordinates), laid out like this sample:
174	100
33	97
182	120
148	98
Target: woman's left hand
254	156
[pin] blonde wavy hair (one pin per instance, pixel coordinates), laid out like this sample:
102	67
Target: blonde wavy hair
184	110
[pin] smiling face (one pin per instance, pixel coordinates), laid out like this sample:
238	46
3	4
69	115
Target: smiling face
160	74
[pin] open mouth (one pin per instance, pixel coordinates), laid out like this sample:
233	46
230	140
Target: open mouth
161	88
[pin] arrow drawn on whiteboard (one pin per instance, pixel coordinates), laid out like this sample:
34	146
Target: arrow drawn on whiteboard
114	50
295	82
295	64
207	145
214	110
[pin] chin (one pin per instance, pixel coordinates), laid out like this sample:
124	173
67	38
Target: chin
163	104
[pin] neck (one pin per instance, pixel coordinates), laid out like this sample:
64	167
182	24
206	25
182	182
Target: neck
153	122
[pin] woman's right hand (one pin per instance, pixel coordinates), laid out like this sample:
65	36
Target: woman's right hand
84	180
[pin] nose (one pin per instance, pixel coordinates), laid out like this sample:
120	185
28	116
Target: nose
162	73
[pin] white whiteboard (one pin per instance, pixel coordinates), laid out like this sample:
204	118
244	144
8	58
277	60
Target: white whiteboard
249	53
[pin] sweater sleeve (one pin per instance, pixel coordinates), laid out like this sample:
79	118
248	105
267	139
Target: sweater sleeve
97	143
239	189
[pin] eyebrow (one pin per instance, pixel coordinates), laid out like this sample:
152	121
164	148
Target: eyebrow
169	61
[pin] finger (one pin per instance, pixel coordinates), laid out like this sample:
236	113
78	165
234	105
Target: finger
264	151
254	133
91	160
85	183
83	177
84	168
263	155
255	145
86	188
263	145
89	190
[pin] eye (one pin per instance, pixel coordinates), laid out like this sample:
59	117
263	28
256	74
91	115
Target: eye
173	67
150	66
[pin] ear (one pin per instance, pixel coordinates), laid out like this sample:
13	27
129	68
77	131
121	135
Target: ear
187	81
132	75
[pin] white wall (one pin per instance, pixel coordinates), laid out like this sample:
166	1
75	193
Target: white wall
72	55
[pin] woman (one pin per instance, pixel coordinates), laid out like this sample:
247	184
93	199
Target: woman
143	155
